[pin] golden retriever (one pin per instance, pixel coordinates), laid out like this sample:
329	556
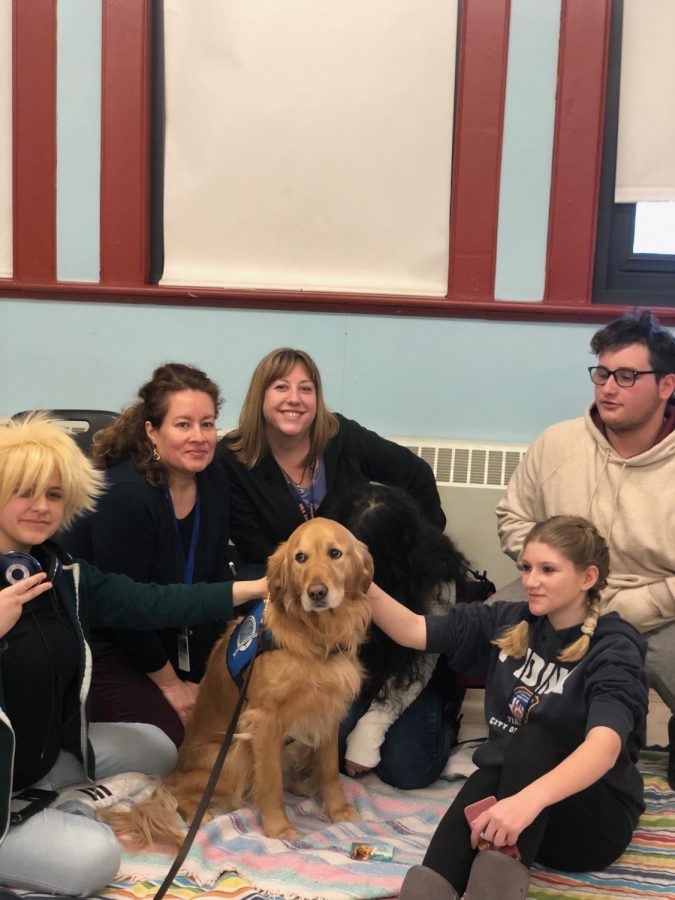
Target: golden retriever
298	694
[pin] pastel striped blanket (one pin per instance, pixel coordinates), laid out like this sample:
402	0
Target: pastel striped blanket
232	859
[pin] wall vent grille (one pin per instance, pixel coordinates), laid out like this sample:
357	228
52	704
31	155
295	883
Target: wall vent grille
468	463
454	462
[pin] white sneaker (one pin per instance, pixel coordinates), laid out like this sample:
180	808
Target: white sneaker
103	793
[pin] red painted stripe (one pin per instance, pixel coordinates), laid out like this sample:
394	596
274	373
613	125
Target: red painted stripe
34	140
478	147
577	151
306	301
125	142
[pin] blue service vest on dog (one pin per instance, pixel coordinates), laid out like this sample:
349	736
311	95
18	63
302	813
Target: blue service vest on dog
247	640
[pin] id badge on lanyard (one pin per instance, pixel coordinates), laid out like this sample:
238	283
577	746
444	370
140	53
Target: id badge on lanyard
307	509
188	577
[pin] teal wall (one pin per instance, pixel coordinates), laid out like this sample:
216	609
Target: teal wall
501	381
527	149
78	139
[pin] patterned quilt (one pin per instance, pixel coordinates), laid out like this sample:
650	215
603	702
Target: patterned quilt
232	859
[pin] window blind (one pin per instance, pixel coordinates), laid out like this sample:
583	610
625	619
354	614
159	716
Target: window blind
645	169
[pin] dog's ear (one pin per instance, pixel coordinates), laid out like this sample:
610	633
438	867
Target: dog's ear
365	562
277	571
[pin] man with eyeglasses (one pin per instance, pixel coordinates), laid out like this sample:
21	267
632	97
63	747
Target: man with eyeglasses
616	467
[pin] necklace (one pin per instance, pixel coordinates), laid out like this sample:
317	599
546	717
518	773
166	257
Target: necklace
304	496
296	484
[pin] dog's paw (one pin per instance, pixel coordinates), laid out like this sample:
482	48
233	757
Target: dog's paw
282	832
344	813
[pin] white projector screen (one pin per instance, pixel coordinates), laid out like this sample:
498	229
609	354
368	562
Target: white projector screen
309	144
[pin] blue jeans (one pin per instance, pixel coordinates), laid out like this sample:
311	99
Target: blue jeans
62	853
416	747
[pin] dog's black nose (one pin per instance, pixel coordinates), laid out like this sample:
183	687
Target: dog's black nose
317	592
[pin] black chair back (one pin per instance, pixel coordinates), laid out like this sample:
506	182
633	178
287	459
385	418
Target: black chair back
81	423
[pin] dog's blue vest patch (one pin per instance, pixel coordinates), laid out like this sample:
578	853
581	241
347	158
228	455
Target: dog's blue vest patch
247	640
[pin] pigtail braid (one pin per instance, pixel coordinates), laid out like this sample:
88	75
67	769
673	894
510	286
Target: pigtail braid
579	541
514	640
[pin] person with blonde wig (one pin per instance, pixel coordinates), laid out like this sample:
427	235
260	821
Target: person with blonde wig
28	458
290	458
565	706
49	753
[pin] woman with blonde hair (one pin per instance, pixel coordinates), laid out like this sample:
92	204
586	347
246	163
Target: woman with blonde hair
290	458
163	518
49	840
565	705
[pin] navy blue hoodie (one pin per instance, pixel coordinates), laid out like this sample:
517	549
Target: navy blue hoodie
606	687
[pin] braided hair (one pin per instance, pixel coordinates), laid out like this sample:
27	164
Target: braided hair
579	541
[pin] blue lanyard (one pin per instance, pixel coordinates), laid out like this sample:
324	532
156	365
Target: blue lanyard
189	561
306	509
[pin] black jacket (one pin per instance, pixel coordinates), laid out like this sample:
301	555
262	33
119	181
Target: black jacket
263	512
132	532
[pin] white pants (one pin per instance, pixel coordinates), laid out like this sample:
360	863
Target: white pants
62	853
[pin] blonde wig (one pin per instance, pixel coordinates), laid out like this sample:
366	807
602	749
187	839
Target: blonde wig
36	448
582	544
249	440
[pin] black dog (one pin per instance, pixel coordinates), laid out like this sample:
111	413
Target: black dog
405	722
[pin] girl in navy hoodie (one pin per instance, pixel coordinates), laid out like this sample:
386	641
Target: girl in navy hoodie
565	705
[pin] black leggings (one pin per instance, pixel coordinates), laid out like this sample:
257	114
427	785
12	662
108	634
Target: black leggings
584	832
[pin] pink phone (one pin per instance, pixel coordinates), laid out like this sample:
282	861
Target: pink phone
472	811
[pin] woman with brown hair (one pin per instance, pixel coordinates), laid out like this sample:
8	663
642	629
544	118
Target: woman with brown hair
290	457
165	519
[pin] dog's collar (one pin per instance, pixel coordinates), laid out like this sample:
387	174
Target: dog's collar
249	638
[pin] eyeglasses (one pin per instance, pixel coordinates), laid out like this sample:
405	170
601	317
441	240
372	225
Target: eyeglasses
623	377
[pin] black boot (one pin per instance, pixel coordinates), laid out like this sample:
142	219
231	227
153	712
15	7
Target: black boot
671	752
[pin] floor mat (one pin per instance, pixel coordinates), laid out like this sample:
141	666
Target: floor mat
231	856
